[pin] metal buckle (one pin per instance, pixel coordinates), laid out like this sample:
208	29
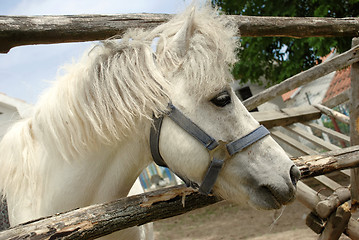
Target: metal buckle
220	152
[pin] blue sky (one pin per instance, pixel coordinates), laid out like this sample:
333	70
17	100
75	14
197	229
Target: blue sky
26	71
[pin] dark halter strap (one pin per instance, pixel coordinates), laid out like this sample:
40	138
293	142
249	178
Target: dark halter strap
219	151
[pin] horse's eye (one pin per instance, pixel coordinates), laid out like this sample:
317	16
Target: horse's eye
221	99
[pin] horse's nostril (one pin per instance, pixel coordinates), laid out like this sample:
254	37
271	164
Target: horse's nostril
294	175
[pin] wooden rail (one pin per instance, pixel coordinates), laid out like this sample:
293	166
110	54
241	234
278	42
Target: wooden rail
102	219
25	30
330	132
332	113
286	116
312	138
295	144
338	62
311	198
331	216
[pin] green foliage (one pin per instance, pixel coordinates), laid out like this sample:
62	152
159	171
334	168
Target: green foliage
277	58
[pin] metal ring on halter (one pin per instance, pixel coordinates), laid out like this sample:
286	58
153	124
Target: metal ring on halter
219	151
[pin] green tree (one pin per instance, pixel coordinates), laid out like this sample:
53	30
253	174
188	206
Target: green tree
277	58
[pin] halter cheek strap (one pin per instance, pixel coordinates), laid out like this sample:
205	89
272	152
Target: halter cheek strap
155	150
219	151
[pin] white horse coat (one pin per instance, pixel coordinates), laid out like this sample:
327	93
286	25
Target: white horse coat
88	138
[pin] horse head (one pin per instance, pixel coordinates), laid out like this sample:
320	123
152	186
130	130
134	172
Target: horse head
196	59
85	138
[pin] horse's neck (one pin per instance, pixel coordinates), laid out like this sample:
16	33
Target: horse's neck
101	176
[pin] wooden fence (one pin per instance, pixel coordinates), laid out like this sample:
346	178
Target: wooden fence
23	30
330	212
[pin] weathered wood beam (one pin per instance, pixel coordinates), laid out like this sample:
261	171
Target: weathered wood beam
354	126
332	133
314	222
338	62
312	138
286	116
337	223
310	198
346	172
328	182
296	27
325	207
25	30
101	219
293	142
332	113
353	229
314	165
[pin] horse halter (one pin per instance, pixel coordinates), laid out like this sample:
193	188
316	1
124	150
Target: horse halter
219	151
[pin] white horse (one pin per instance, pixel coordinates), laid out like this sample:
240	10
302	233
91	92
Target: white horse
88	137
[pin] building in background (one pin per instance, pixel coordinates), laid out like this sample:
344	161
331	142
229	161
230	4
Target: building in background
11	110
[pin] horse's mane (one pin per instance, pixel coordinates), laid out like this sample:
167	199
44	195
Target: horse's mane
210	53
117	84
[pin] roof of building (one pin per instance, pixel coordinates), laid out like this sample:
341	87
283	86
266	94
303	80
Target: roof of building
340	83
288	95
21	106
291	94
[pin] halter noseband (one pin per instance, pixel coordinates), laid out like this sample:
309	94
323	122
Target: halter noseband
219	151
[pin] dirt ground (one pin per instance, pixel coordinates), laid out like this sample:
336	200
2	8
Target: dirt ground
226	221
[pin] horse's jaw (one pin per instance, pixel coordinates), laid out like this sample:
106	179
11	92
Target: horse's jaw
262	174
267	182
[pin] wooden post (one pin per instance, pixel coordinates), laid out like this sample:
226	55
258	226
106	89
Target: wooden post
354	126
336	223
325	207
315	223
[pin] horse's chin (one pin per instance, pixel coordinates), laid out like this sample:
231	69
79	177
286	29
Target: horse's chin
263	199
268	203
258	198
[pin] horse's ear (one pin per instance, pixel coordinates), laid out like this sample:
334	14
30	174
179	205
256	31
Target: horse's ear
181	39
